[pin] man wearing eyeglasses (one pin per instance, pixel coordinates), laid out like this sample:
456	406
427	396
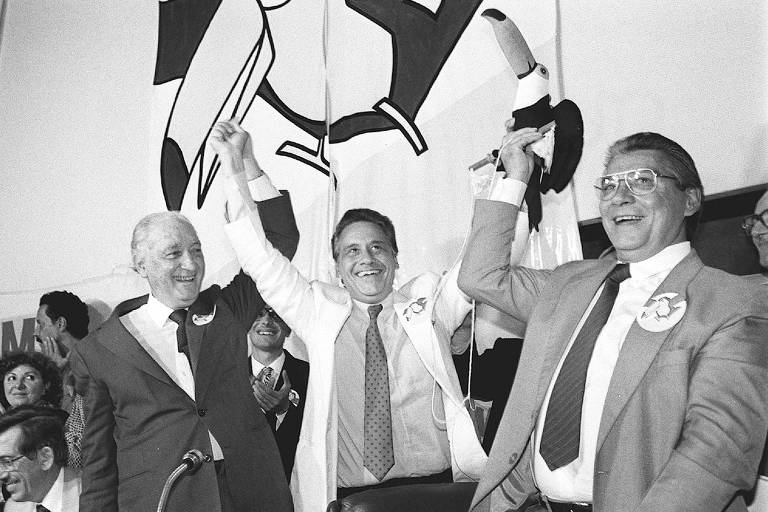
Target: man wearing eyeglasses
278	381
33	458
756	226
641	385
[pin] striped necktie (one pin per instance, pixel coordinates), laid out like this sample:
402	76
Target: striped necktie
561	434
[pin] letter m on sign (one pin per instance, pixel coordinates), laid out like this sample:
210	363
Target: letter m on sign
9	337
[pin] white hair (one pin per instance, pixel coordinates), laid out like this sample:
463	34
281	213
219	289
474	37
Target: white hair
146	225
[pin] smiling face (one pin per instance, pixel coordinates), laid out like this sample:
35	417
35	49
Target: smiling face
366	262
23	385
25	479
268	332
760	232
641	226
171	259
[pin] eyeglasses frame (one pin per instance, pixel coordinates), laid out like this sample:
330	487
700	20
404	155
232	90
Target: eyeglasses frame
623	176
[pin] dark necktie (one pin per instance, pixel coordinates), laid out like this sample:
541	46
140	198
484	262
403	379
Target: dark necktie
378	454
180	316
562	426
41	508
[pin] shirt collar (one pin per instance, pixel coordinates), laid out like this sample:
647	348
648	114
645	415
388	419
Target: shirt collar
157	311
662	261
276	365
53	500
388	302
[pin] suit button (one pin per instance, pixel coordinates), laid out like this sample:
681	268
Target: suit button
202	412
513	458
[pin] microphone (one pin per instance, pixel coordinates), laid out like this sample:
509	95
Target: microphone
193	460
190	462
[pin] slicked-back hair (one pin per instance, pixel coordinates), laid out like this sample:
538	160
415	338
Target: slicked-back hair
363	215
677	159
40	427
48	371
68	305
145	226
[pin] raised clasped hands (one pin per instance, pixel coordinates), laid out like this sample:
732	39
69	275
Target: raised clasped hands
273	400
229	140
515	152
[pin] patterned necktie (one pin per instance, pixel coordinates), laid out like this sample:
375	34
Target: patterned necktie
378	455
562	425
265	376
179	316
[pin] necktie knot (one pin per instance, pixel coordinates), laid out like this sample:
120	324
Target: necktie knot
619	273
179	316
40	508
265	375
373	311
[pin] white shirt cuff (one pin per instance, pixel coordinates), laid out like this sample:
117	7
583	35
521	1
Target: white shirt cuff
508	190
532	88
262	188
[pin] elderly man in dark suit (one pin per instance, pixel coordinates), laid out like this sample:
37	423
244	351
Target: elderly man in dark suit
168	373
642	381
279	382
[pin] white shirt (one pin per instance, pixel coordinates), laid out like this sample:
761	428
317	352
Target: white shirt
573	482
419	439
277	368
156	333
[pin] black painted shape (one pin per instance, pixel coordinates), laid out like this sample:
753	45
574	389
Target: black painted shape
181	27
173	174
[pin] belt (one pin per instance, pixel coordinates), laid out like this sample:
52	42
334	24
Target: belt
555	506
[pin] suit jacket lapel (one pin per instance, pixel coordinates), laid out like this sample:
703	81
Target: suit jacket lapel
640	348
121	342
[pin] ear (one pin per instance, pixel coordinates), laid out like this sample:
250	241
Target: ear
397	263
61	324
138	264
338	272
45	457
692	201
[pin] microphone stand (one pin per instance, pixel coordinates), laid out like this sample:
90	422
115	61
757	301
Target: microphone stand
192	460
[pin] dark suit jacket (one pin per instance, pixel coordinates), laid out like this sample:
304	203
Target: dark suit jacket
140	423
287	434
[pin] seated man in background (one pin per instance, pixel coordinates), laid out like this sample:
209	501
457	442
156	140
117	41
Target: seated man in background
279	382
642	381
384	405
62	319
33	458
168	372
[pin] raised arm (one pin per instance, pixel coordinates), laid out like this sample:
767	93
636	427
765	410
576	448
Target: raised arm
485	273
234	148
279	282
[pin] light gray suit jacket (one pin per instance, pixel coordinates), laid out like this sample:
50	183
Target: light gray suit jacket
686	413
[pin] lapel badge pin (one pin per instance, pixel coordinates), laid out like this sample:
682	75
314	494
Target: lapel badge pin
294	398
204	319
661	313
414	308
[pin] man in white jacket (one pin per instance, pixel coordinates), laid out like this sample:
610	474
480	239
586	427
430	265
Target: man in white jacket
354	437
